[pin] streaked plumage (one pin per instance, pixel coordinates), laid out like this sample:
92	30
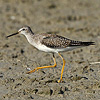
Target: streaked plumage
56	41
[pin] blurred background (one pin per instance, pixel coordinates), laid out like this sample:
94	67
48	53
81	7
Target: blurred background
74	19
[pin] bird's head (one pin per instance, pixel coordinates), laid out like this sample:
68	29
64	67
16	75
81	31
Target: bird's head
24	30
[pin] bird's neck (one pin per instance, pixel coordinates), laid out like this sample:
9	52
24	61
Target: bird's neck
29	37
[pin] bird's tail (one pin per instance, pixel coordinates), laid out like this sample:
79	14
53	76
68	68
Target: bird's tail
80	43
87	43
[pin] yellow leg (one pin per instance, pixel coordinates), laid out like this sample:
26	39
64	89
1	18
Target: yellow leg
62	68
36	69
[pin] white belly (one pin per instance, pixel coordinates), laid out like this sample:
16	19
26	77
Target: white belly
56	50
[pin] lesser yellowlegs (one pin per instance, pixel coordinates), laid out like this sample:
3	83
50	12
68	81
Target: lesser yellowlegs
50	43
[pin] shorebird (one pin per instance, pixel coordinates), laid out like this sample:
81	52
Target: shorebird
50	43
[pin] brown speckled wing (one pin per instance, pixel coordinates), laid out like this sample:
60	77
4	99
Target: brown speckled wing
56	41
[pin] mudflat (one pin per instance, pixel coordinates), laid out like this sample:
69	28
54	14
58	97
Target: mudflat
74	19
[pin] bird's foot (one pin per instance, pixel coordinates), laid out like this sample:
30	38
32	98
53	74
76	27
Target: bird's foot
60	81
31	71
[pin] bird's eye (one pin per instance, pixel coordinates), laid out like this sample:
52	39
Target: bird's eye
23	29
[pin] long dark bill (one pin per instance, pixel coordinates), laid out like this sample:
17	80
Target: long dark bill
12	35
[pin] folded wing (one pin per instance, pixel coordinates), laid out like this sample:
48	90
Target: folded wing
56	41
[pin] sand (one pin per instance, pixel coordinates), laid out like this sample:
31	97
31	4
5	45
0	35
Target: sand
75	19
